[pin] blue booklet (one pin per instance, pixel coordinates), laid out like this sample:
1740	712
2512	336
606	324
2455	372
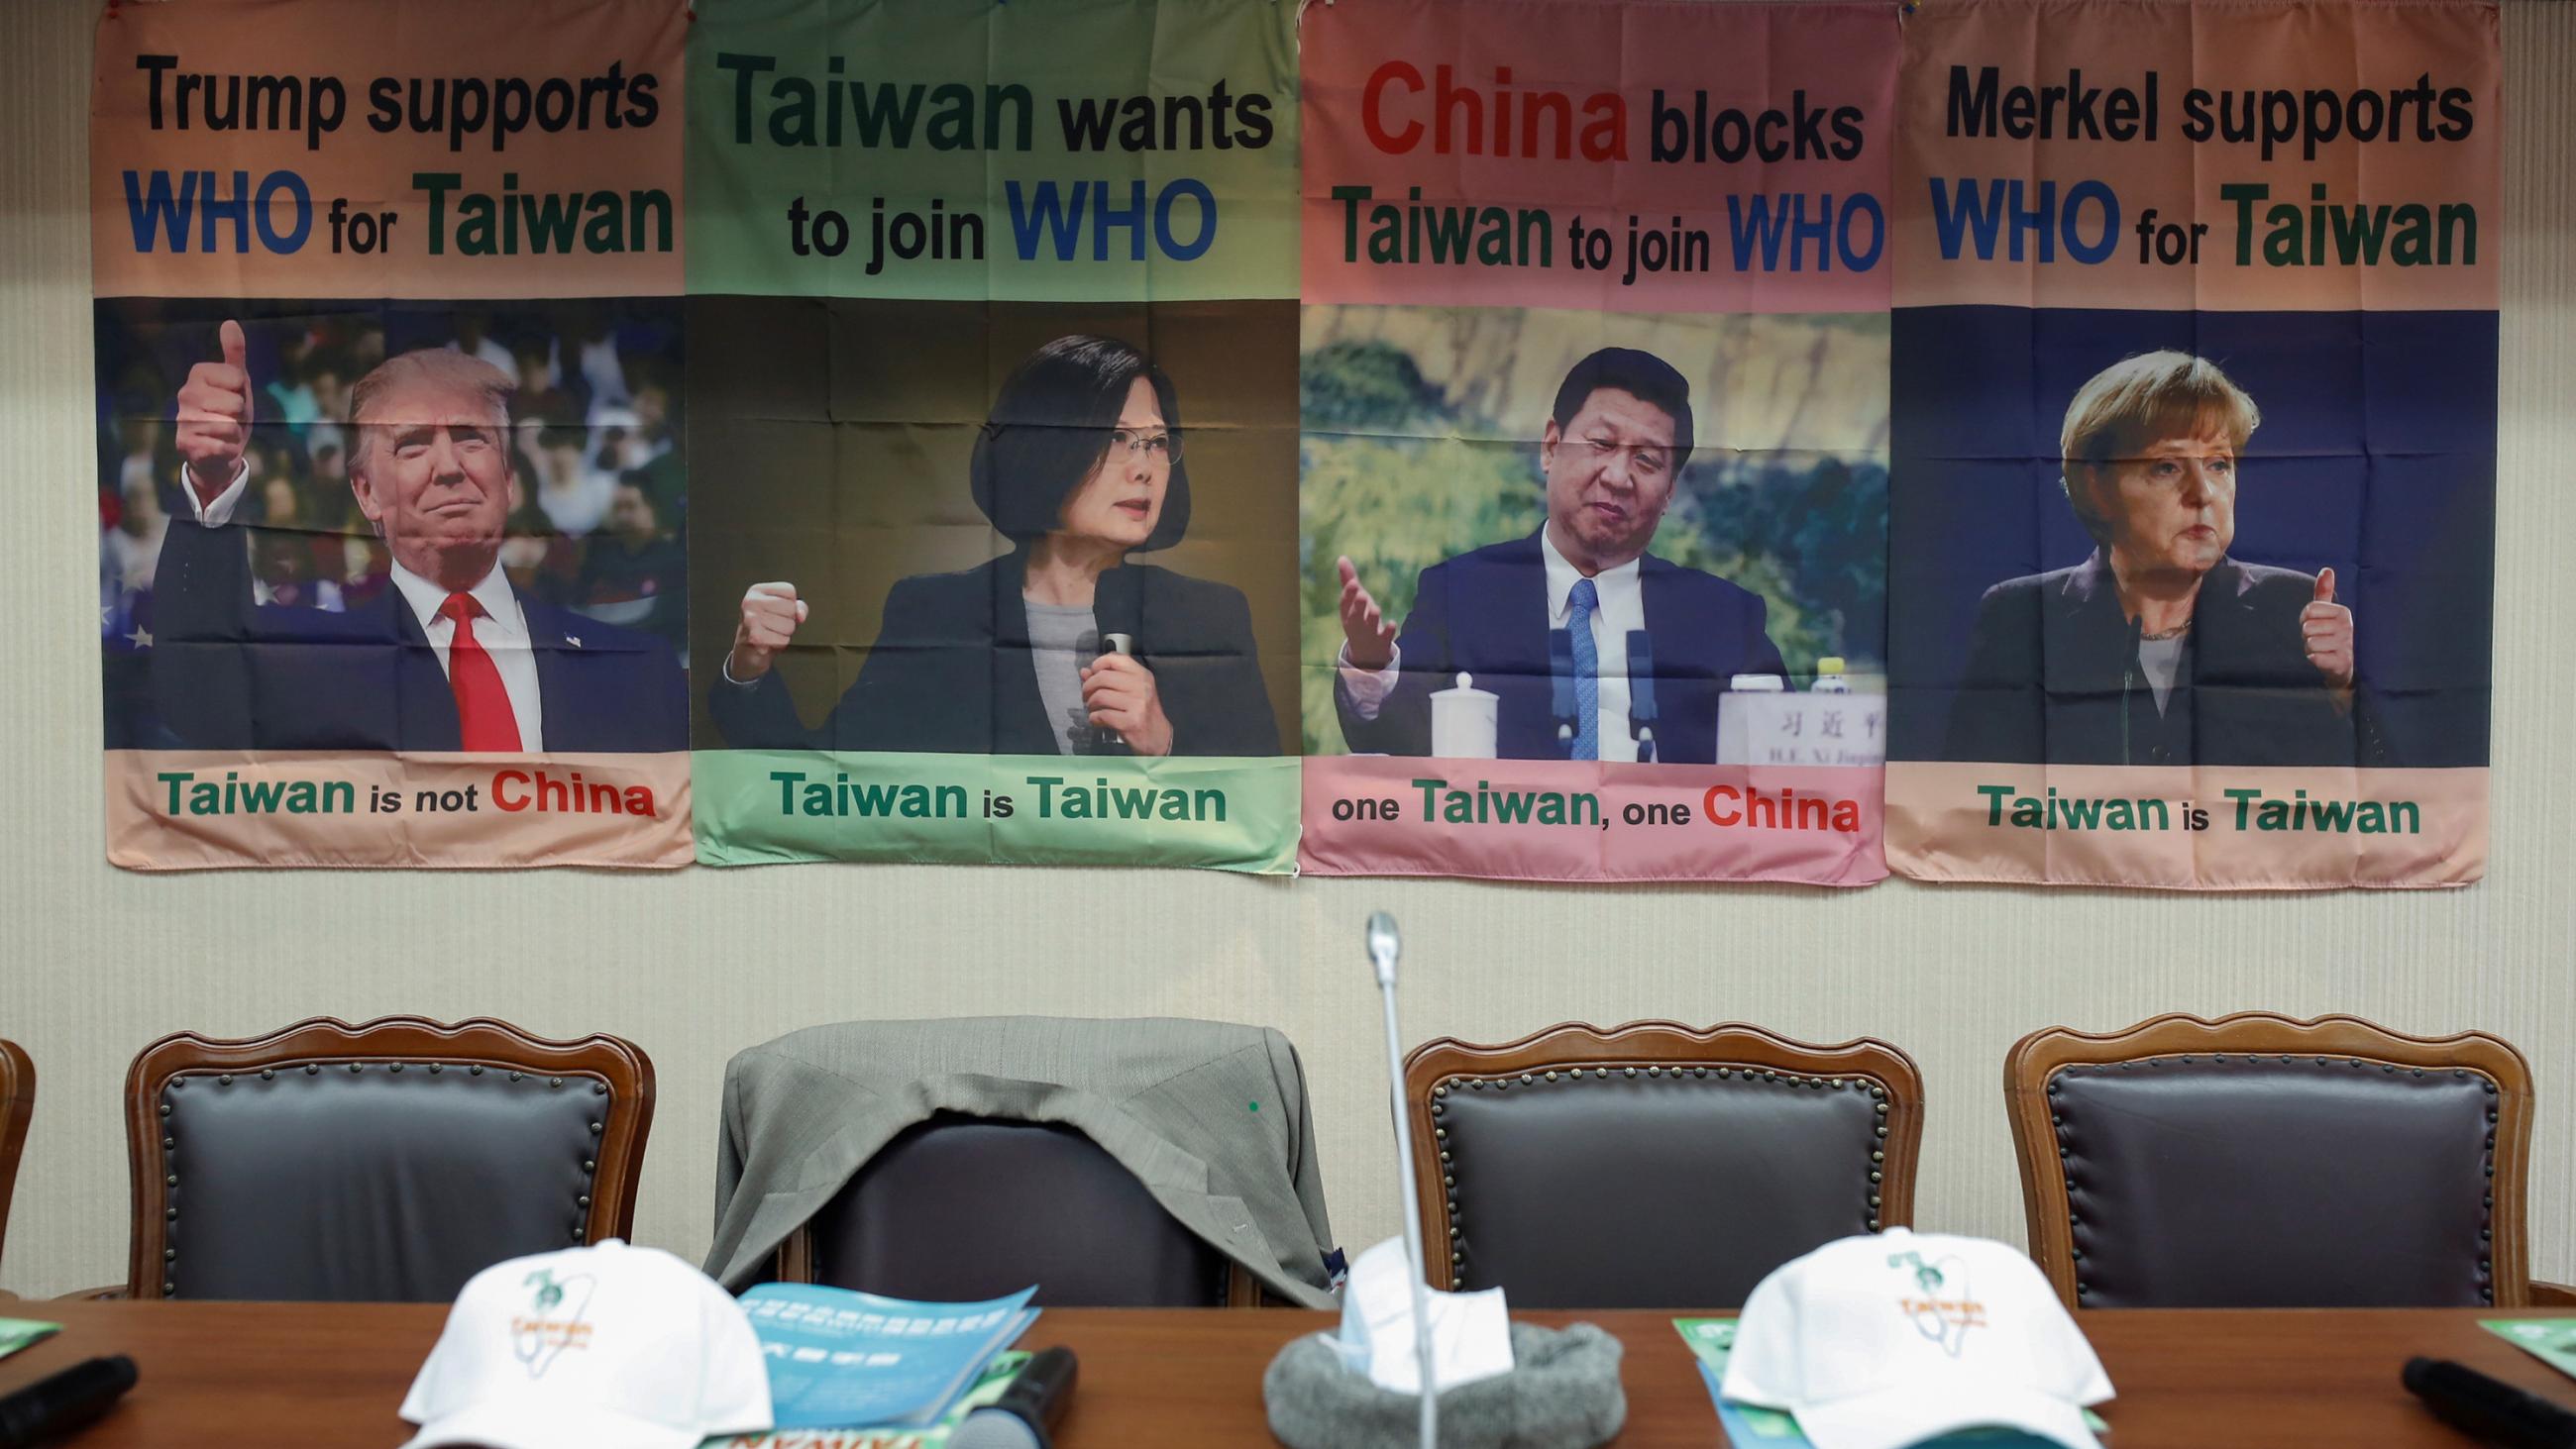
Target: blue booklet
839	1359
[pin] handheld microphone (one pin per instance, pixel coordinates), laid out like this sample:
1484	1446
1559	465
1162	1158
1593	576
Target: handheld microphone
1383	947
2489	1408
1124	645
52	1407
1028	1411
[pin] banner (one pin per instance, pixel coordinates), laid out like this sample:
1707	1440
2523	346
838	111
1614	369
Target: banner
2191	560
390	557
1595	428
2035	441
993	370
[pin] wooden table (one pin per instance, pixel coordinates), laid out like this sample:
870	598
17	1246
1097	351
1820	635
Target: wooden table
325	1376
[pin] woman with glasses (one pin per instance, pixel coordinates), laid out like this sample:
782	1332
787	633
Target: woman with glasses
1060	646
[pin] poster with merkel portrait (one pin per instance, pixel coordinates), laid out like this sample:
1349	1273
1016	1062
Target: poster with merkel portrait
1595	428
2192	538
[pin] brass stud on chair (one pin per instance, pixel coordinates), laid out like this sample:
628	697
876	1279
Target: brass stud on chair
268	1074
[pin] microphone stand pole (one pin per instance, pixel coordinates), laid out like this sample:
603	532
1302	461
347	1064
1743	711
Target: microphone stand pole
1382	953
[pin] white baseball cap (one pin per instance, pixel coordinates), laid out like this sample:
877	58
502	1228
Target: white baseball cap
606	1347
1887	1340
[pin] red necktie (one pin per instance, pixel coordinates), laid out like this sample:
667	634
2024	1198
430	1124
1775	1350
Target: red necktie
482	705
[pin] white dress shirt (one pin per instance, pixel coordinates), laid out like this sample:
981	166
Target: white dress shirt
1619	606
502	629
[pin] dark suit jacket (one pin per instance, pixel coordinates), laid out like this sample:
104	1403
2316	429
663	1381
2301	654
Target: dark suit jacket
231	675
2053	676
1485	613
950	672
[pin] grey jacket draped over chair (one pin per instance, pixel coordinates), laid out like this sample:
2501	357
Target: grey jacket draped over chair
1211	1117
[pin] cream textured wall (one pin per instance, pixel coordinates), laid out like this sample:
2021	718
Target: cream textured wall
97	962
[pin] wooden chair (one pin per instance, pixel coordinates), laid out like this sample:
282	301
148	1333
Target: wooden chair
389	1161
948	1212
2262	1161
1654	1165
17	1109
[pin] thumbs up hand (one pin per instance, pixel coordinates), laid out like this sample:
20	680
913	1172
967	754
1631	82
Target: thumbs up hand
2326	628
215	417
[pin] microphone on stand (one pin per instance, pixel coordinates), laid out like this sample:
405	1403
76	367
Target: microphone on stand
1383	947
1560	693
1642	713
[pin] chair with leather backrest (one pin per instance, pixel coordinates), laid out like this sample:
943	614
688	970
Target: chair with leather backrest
384	1162
17	1108
2262	1161
1654	1165
960	1209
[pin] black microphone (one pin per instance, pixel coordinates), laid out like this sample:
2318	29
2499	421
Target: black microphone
1027	1411
2489	1408
1642	714
52	1407
1560	696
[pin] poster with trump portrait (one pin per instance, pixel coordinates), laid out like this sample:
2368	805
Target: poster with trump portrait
391	534
2191	560
1595	429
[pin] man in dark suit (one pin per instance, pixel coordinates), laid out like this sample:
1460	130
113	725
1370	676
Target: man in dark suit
452	657
1552	624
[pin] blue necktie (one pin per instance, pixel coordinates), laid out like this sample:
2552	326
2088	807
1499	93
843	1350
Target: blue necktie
1587	671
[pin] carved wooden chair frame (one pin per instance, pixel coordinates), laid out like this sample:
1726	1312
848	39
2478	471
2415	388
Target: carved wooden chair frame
614	1070
2348	1042
1723	1053
17	1109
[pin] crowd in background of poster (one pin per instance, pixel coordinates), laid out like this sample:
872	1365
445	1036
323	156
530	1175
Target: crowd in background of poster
1528	439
